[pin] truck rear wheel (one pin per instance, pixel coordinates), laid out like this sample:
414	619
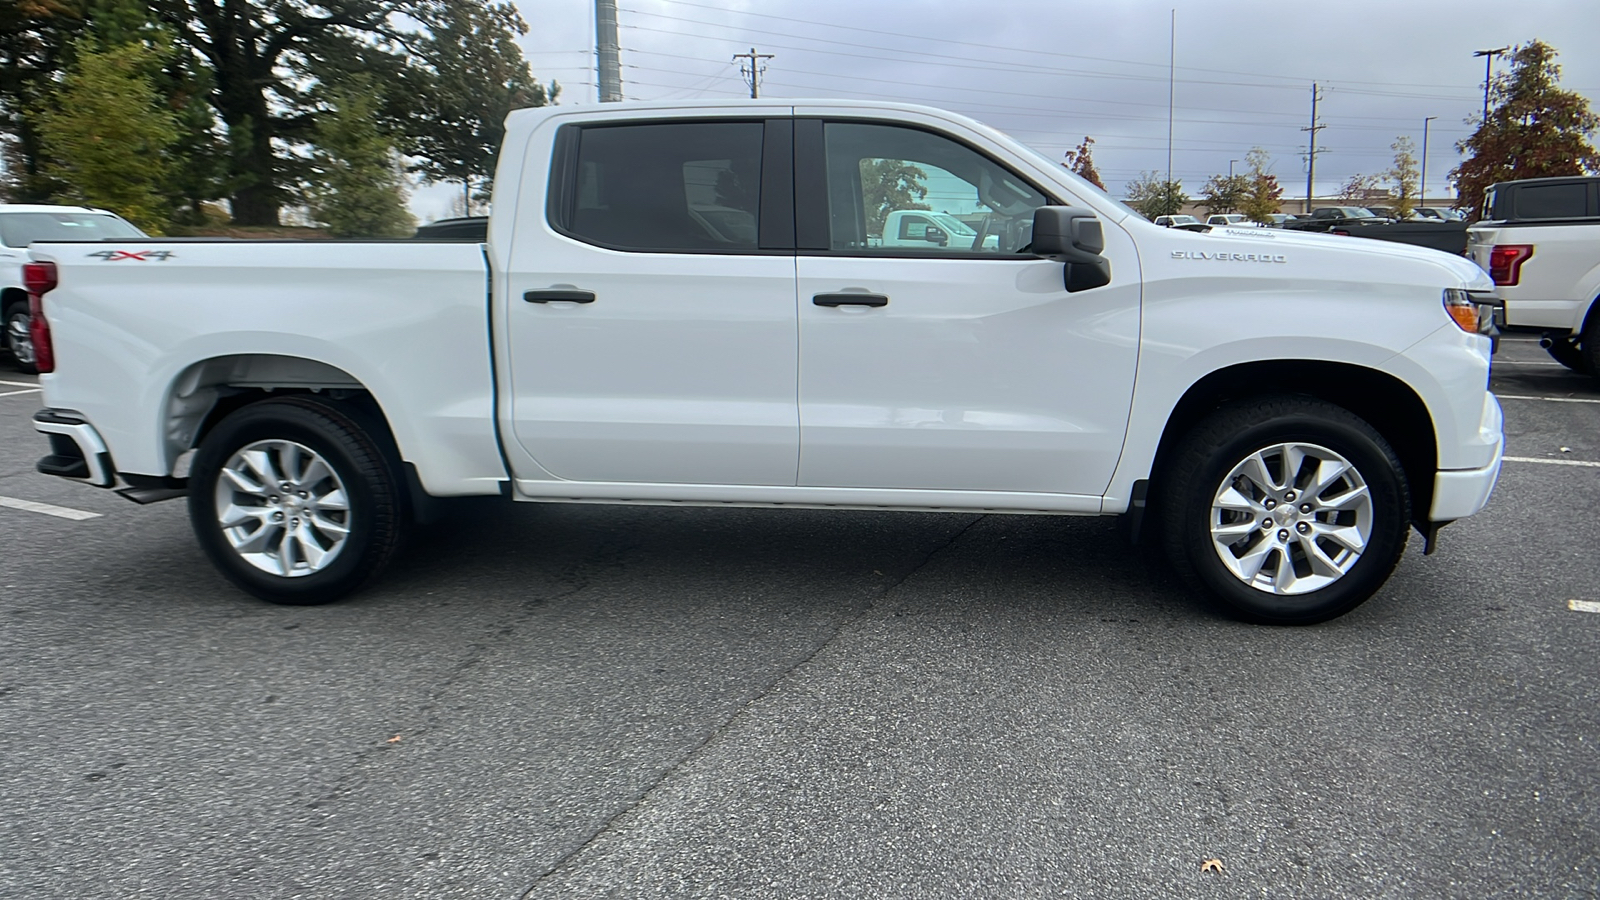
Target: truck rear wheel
294	501
1565	350
1287	510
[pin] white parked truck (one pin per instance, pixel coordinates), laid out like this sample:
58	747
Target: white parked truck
21	224
1540	242
683	304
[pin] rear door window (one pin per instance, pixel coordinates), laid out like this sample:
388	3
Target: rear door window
667	187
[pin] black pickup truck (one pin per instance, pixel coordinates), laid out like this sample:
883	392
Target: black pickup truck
1357	221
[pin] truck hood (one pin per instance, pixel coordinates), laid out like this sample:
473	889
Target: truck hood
1341	250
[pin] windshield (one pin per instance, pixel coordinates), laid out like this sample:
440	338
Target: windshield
23	228
1359	213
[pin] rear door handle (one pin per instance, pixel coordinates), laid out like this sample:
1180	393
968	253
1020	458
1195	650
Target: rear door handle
850	300
558	296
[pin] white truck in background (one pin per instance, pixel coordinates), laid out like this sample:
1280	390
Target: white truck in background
684	304
917	228
20	225
1540	243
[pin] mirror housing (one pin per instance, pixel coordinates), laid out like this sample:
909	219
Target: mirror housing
1072	235
933	234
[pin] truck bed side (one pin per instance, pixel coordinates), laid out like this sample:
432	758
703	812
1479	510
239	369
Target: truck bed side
151	335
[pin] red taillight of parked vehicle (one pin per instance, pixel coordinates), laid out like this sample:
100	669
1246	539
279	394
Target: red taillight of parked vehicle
1505	262
39	278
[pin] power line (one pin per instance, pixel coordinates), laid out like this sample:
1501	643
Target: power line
753	72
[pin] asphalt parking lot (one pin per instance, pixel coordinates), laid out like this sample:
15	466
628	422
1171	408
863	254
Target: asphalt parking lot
569	701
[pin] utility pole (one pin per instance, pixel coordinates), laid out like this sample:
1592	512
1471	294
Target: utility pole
754	70
1311	148
1230	168
607	52
1172	68
1422	189
1488	62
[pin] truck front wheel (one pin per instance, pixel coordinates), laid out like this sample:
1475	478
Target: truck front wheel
294	501
1288	510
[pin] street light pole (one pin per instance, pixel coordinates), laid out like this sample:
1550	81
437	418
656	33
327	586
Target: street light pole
1230	167
1488	62
1422	189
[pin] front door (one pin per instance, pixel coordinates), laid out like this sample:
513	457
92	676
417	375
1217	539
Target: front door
651	318
962	363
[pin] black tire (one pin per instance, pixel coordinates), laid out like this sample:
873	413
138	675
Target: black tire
1590	344
20	348
1207	456
376	512
1567	352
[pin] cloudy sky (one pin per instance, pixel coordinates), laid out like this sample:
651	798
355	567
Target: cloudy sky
1050	73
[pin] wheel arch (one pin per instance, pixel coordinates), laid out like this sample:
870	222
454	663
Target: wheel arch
1385	402
206	392
10	296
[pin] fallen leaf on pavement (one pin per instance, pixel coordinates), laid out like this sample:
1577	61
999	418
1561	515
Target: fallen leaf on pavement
393	740
1211	865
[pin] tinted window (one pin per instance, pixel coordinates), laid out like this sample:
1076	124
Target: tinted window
1552	201
23	228
673	186
874	170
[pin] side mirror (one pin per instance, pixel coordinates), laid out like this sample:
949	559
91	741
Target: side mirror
936	235
1072	235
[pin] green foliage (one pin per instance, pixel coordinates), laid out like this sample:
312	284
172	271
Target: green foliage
35	43
471	75
1081	162
357	189
1224	193
1404	176
1263	195
1534	130
1153	195
888	185
106	133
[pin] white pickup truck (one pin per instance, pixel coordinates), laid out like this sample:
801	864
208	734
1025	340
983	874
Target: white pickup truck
681	304
1541	244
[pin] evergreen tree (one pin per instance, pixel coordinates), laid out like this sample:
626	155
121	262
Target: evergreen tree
357	189
1534	130
106	133
472	75
35	43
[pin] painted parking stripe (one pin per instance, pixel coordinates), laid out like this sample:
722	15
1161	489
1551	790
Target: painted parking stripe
1583	606
1548	399
60	512
32	384
1554	462
15	393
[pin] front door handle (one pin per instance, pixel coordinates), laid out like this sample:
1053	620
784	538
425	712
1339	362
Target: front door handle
558	296
850	300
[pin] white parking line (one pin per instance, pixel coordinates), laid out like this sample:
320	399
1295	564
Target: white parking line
1549	399
1554	462
15	393
1583	606
60	512
1526	362
32	384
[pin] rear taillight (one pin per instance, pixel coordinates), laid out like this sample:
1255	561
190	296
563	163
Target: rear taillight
40	278
1505	262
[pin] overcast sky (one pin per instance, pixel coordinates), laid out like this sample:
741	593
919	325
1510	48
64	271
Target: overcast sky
1050	73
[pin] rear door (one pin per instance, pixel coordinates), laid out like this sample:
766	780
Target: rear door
651	316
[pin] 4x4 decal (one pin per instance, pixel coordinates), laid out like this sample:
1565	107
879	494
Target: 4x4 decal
140	255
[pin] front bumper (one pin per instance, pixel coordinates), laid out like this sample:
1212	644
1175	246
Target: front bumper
1458	493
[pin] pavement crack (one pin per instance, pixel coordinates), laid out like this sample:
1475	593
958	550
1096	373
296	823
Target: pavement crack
739	712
